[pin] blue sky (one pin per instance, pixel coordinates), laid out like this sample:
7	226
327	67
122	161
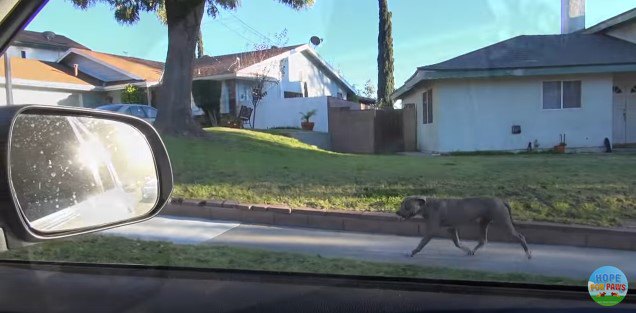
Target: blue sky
424	31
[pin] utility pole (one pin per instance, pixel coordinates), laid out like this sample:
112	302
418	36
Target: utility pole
8	86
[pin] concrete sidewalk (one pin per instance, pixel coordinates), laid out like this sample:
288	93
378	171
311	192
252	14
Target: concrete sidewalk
552	260
173	229
389	224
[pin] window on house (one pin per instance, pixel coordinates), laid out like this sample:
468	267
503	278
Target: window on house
339	95
562	94
551	95
427	107
23	54
572	94
291	94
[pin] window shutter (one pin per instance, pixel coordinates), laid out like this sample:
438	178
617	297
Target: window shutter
430	106
424	108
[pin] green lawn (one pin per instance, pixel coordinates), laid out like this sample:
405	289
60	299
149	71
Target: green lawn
103	249
257	167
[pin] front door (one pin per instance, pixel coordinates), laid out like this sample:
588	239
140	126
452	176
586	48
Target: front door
624	115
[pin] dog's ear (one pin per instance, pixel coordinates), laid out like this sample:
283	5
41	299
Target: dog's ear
421	201
416	202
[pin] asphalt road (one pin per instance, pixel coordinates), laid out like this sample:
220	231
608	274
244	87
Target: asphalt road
564	261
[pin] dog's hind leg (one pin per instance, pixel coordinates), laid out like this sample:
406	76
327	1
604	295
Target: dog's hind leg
483	234
455	237
522	240
520	237
507	223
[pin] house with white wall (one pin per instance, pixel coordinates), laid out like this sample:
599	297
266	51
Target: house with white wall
532	90
298	80
51	69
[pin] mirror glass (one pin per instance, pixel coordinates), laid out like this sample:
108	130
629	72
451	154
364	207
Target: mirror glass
72	172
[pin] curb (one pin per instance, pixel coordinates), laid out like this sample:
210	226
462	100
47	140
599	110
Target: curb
390	224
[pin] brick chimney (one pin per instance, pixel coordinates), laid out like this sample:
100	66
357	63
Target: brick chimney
572	16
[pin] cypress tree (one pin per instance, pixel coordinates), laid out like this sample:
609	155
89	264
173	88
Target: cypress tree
385	57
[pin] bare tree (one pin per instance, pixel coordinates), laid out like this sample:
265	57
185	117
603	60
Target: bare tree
268	72
369	89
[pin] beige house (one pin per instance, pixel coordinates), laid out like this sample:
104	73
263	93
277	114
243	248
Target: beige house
54	70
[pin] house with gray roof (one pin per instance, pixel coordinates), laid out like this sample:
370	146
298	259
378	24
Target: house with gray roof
532	90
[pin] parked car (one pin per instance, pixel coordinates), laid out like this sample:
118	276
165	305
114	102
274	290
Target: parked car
147	112
149	190
141	111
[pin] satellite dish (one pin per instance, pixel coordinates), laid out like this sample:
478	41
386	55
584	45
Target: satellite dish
315	40
48	35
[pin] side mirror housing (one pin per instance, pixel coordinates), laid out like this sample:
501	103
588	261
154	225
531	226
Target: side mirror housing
70	171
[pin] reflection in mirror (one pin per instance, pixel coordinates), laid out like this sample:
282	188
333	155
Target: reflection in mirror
72	172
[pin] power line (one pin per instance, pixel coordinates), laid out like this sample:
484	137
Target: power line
236	32
254	30
220	20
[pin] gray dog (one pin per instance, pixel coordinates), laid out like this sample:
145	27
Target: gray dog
452	213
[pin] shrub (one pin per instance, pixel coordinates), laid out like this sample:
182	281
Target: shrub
133	95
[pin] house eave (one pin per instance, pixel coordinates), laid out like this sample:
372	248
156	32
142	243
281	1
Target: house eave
51	85
427	75
98	61
611	22
216	77
122	86
27	44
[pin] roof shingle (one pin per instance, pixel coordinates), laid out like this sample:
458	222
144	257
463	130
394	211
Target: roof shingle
148	70
38	38
30	69
544	51
227	64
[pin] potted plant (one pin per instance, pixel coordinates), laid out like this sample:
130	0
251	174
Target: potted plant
306	124
560	148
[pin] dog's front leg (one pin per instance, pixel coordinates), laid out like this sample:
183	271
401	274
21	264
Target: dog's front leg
455	237
423	243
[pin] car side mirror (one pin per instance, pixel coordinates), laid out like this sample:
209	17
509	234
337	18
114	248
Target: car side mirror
70	171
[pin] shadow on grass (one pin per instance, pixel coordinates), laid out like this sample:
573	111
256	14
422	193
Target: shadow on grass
263	139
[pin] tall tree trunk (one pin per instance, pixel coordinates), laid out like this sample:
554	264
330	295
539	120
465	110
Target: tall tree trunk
211	118
174	95
385	57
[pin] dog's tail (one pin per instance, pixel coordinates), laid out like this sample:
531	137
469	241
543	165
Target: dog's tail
509	213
